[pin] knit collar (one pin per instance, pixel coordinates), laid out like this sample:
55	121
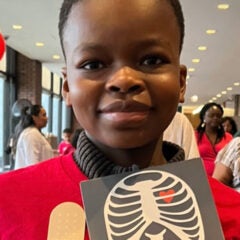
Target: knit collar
95	164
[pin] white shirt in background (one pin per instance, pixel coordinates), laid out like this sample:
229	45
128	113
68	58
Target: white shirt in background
32	148
180	131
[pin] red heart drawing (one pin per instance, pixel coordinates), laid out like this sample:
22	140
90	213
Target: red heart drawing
167	193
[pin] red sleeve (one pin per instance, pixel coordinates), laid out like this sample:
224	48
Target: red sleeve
227	202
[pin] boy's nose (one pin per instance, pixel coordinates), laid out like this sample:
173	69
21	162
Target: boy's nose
125	81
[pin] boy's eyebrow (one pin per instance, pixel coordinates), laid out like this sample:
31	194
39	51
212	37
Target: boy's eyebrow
151	42
90	46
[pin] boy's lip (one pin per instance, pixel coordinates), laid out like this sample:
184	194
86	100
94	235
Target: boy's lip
124	106
125	113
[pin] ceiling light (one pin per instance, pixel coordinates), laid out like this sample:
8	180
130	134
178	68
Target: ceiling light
223	6
236	84
17	27
224	92
191	69
194	98
196	60
188	77
56	57
219	95
210	101
210	31
214	98
39	44
229	88
202	48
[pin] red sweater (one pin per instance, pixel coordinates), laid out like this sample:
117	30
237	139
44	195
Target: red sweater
28	196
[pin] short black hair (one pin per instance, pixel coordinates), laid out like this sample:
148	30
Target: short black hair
67	6
67	130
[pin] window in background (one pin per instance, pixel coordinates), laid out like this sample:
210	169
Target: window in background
56	116
66	116
59	115
56	107
2	96
7	98
56	84
46	103
3	66
2	80
46	79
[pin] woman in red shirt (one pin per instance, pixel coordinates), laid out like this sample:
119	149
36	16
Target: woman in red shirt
211	137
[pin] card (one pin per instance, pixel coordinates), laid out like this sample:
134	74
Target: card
171	201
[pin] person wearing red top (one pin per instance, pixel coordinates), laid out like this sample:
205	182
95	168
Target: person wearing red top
210	135
65	145
124	80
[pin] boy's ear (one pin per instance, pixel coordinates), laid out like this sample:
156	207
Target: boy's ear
65	88
183	76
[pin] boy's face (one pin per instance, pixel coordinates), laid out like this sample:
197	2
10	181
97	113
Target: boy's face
67	137
122	76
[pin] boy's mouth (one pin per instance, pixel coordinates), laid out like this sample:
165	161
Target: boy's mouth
125	106
125	112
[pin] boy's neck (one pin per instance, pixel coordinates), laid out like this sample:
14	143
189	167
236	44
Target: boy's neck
149	155
158	158
95	161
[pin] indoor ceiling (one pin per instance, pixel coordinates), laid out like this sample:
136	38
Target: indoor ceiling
219	66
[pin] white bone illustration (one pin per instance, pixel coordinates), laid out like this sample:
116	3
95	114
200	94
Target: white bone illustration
148	198
160	236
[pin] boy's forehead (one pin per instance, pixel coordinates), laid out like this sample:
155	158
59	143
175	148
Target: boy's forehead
145	9
66	133
86	17
124	4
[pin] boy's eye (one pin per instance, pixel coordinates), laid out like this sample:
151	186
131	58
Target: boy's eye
92	65
152	60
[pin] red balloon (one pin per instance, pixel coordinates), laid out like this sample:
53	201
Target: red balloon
2	46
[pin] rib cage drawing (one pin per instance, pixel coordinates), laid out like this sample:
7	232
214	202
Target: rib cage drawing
152	205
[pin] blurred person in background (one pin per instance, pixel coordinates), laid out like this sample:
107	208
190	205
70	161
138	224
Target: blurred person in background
65	145
31	145
229	125
227	164
210	134
180	131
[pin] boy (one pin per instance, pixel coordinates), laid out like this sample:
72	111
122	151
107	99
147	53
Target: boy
65	145
124	81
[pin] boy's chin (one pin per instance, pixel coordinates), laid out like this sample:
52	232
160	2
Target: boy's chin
124	139
130	143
